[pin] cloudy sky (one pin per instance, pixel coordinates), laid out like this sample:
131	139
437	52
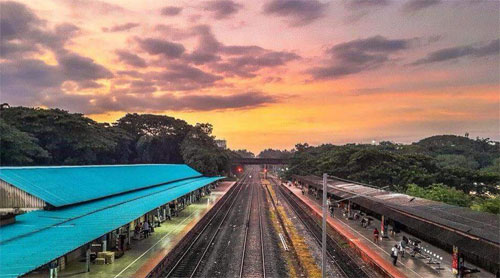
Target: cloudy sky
266	73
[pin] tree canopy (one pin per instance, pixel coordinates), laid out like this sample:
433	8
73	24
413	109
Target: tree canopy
444	164
34	136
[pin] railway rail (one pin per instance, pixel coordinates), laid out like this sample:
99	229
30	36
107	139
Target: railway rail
346	264
253	257
234	230
187	264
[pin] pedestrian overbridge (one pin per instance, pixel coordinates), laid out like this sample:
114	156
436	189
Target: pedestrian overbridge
259	161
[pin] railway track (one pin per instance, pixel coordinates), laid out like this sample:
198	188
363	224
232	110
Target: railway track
253	256
187	264
344	261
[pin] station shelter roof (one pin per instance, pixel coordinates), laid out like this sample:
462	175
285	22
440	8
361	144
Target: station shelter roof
66	185
473	231
38	237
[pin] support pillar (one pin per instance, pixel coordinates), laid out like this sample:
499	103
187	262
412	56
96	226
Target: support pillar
128	235
53	269
323	235
382	225
87	259
348	209
104	242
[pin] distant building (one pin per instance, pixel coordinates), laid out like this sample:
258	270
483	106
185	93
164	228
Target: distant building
221	143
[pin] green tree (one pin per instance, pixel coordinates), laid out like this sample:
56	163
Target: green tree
456	161
68	138
19	148
271	153
244	153
491	205
441	193
200	151
157	138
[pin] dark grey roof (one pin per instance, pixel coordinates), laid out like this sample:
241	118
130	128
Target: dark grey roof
482	225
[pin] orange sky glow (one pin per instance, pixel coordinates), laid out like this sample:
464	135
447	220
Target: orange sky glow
266	74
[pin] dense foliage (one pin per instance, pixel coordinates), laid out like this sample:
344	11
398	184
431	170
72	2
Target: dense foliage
244	153
444	165
271	153
453	169
32	136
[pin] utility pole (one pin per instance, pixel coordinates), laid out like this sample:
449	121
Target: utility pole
323	242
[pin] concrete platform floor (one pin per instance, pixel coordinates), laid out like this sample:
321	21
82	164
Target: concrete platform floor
409	266
145	254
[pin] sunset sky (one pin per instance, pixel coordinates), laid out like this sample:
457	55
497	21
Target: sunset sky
267	73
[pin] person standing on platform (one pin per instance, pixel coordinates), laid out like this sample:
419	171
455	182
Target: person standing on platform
402	247
394	254
145	228
375	235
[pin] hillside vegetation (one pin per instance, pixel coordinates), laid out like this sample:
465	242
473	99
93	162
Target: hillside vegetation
448	168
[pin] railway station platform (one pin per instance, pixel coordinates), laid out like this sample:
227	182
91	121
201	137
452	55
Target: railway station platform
146	253
379	253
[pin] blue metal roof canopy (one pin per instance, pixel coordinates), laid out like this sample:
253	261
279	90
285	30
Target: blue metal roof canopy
41	236
66	185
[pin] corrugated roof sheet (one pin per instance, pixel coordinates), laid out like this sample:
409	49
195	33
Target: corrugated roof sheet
480	224
475	233
41	236
66	185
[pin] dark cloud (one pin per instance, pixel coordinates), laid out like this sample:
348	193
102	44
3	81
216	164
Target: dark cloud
247	65
13	49
172	32
183	102
22	31
359	55
412	6
28	77
209	48
215	102
121	27
359	9
299	12
242	49
231	60
79	68
89	84
25	81
163	47
170	11
206	39
452	53
33	82
377	44
16	20
131	59
119	101
184	77
138	87
222	9
361	4
200	57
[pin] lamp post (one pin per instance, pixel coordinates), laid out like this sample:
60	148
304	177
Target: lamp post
323	236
